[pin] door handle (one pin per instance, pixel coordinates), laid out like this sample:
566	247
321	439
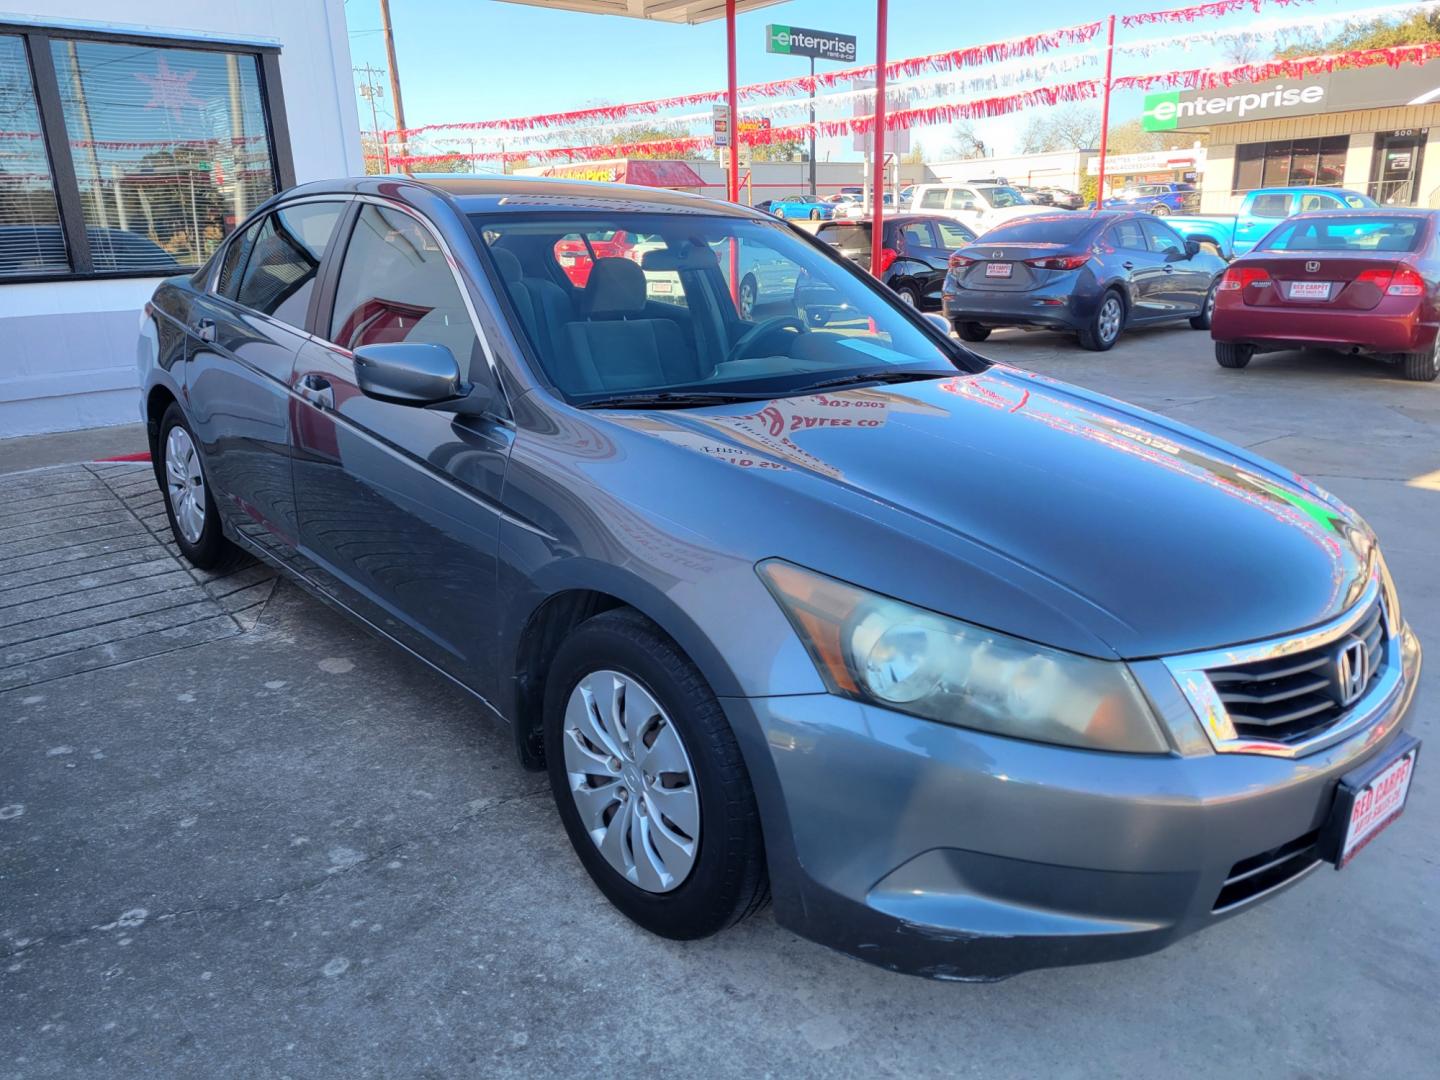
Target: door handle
205	330
316	389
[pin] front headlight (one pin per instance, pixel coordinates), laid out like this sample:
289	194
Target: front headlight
905	658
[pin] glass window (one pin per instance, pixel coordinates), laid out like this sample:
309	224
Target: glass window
1249	166
933	199
1331	168
916	234
1352	232
228	283
960	196
1163	239
170	148
1277	164
1304	162
793	320
1274	205
396	285
1317	201
280	269
1057	228
1129	236
952	233
31	241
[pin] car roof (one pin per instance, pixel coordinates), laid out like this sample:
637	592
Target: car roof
1367	211
517	194
1306	189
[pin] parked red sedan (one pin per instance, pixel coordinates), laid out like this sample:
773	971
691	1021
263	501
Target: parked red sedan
1357	281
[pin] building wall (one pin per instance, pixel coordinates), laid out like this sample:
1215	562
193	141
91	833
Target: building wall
1361	125
67	348
1063	169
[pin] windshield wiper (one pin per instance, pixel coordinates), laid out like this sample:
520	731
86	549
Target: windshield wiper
857	377
669	399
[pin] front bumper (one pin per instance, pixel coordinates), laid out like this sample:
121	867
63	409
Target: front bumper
954	854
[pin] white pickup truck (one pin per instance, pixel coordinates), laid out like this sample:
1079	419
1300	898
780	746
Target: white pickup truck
978	205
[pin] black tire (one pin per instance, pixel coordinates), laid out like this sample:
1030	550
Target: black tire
1202	321
1421	366
1231	355
972	331
749	295
727	881
1160	210
1098	334
210	550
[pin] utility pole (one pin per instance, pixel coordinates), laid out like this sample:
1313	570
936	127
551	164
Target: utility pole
812	129
385	28
371	89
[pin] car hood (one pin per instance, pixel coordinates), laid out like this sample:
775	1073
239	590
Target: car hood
1037	509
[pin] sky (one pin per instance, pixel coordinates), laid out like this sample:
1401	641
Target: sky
481	59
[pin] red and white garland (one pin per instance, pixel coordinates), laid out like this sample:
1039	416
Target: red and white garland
1300	67
1197	12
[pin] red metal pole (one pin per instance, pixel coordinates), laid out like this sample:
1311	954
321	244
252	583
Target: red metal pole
1105	114
877	183
732	99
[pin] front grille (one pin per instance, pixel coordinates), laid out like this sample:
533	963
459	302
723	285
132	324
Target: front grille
1253	877
1289	698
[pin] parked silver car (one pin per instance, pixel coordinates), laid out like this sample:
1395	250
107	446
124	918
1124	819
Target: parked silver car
974	671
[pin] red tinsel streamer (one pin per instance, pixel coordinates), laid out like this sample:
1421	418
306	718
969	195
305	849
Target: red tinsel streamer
894	121
1197	12
1298	68
951	59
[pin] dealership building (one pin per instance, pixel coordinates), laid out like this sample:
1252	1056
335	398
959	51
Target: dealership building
134	135
1366	129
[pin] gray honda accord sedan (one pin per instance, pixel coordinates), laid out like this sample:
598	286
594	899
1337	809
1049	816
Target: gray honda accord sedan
974	671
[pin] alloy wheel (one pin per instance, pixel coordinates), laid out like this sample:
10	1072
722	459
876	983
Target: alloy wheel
747	299
908	298
185	484
1110	315
632	781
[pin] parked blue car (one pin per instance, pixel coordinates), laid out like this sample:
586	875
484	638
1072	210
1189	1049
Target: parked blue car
801	206
1162	200
1233	235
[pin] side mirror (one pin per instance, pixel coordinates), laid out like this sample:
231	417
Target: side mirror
1192	248
939	322
408	373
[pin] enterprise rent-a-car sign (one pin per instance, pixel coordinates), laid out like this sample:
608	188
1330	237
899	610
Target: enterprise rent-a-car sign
821	44
1337	91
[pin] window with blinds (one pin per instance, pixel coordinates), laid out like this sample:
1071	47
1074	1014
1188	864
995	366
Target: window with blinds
31	242
170	148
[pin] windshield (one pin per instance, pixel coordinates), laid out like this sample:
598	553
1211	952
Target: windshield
1002	196
1349	233
707	305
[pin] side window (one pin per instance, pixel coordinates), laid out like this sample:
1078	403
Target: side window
396	285
1320	202
1271	206
953	234
934	199
228	283
916	234
960	196
279	273
1128	236
1163	239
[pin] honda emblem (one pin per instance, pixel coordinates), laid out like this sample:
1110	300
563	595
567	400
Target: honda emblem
1352	671
1312	266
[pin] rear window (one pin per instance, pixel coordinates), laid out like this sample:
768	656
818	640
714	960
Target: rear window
1041	229
1351	233
854	237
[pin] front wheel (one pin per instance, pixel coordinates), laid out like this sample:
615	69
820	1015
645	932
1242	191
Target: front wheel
1103	329
814	215
749	291
1230	355
1421	366
908	296
649	780
194	520
972	331
1160	210
1207	310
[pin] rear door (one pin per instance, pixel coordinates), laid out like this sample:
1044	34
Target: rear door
1267	209
244	337
399	506
926	261
1141	267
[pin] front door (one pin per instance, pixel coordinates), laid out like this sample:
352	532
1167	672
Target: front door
1395	171
1142	268
398	505
1182	286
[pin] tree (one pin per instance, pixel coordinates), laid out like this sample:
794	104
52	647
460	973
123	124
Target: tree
1068	127
964	143
781	150
1376	34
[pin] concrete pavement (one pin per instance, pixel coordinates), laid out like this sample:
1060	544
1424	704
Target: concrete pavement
291	851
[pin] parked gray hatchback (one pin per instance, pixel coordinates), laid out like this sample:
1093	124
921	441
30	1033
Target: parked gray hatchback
975	671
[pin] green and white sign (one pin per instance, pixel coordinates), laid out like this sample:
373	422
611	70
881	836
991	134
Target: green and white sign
821	44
